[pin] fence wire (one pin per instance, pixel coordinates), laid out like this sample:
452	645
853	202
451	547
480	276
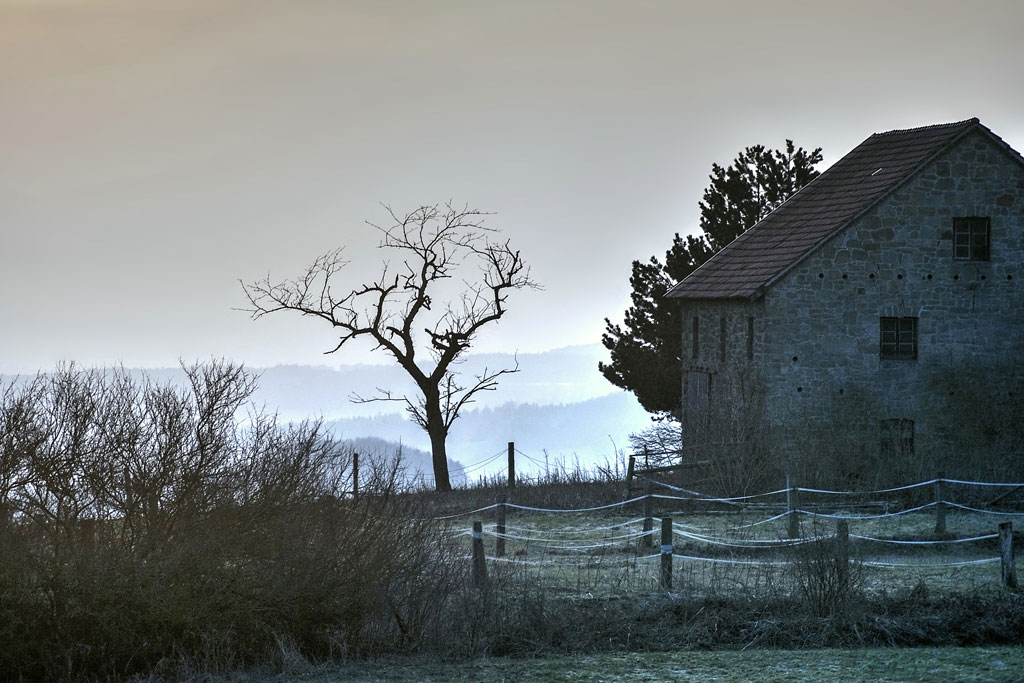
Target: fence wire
597	551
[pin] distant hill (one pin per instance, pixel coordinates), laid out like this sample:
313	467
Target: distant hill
566	375
587	432
416	463
558	404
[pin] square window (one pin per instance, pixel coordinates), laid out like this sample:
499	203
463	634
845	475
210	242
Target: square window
897	338
971	238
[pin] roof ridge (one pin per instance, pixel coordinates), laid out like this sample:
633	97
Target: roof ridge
770	248
897	131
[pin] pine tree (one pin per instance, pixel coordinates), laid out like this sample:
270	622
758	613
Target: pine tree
646	349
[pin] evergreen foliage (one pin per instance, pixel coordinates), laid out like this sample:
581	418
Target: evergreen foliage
646	350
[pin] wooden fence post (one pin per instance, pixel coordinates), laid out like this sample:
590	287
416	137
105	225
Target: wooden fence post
1006	554
479	563
940	509
355	476
842	551
792	504
666	553
648	539
499	523
511	464
629	477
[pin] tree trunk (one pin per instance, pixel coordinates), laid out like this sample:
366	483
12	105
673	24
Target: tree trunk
438	433
440	457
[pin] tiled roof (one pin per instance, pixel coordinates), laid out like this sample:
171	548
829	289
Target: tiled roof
852	185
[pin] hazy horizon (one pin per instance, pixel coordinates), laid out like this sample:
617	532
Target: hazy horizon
558	404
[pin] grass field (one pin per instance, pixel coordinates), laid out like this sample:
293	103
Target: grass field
781	666
149	537
600	554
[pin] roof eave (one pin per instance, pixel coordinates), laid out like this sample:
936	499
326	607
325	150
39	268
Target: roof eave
739	296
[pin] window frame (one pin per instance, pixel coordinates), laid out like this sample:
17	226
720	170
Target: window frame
892	344
972	238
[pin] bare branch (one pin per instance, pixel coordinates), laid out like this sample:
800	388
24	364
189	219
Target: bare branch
454	400
436	245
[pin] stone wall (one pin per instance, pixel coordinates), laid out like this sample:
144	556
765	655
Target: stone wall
816	340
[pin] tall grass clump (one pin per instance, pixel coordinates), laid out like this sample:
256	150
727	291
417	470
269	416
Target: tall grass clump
147	528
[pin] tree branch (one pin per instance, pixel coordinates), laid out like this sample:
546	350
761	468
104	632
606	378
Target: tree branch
436	245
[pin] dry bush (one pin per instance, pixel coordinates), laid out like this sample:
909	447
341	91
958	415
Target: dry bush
660	445
729	439
966	424
826	582
977	418
147	529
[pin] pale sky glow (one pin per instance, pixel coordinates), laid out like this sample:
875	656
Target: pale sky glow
153	153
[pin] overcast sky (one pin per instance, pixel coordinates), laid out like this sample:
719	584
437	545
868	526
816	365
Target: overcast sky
153	153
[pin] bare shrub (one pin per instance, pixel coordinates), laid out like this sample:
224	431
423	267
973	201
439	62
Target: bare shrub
825	580
837	445
661	444
148	528
727	435
977	417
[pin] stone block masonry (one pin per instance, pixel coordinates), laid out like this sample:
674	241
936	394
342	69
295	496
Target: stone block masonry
813	336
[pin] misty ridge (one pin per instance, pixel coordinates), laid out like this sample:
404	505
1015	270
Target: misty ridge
558	409
548	436
559	376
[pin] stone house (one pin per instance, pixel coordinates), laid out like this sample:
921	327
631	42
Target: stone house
880	308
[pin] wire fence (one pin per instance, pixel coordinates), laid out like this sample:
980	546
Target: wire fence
762	541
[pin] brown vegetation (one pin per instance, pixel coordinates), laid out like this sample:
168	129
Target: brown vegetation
146	529
153	531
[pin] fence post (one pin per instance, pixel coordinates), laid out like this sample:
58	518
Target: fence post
629	477
1006	554
499	523
648	539
842	551
791	506
479	563
940	509
355	476
666	553
511	464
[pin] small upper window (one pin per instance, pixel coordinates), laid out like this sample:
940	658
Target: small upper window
898	338
970	238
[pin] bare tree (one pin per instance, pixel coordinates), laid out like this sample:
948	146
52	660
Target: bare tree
436	245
